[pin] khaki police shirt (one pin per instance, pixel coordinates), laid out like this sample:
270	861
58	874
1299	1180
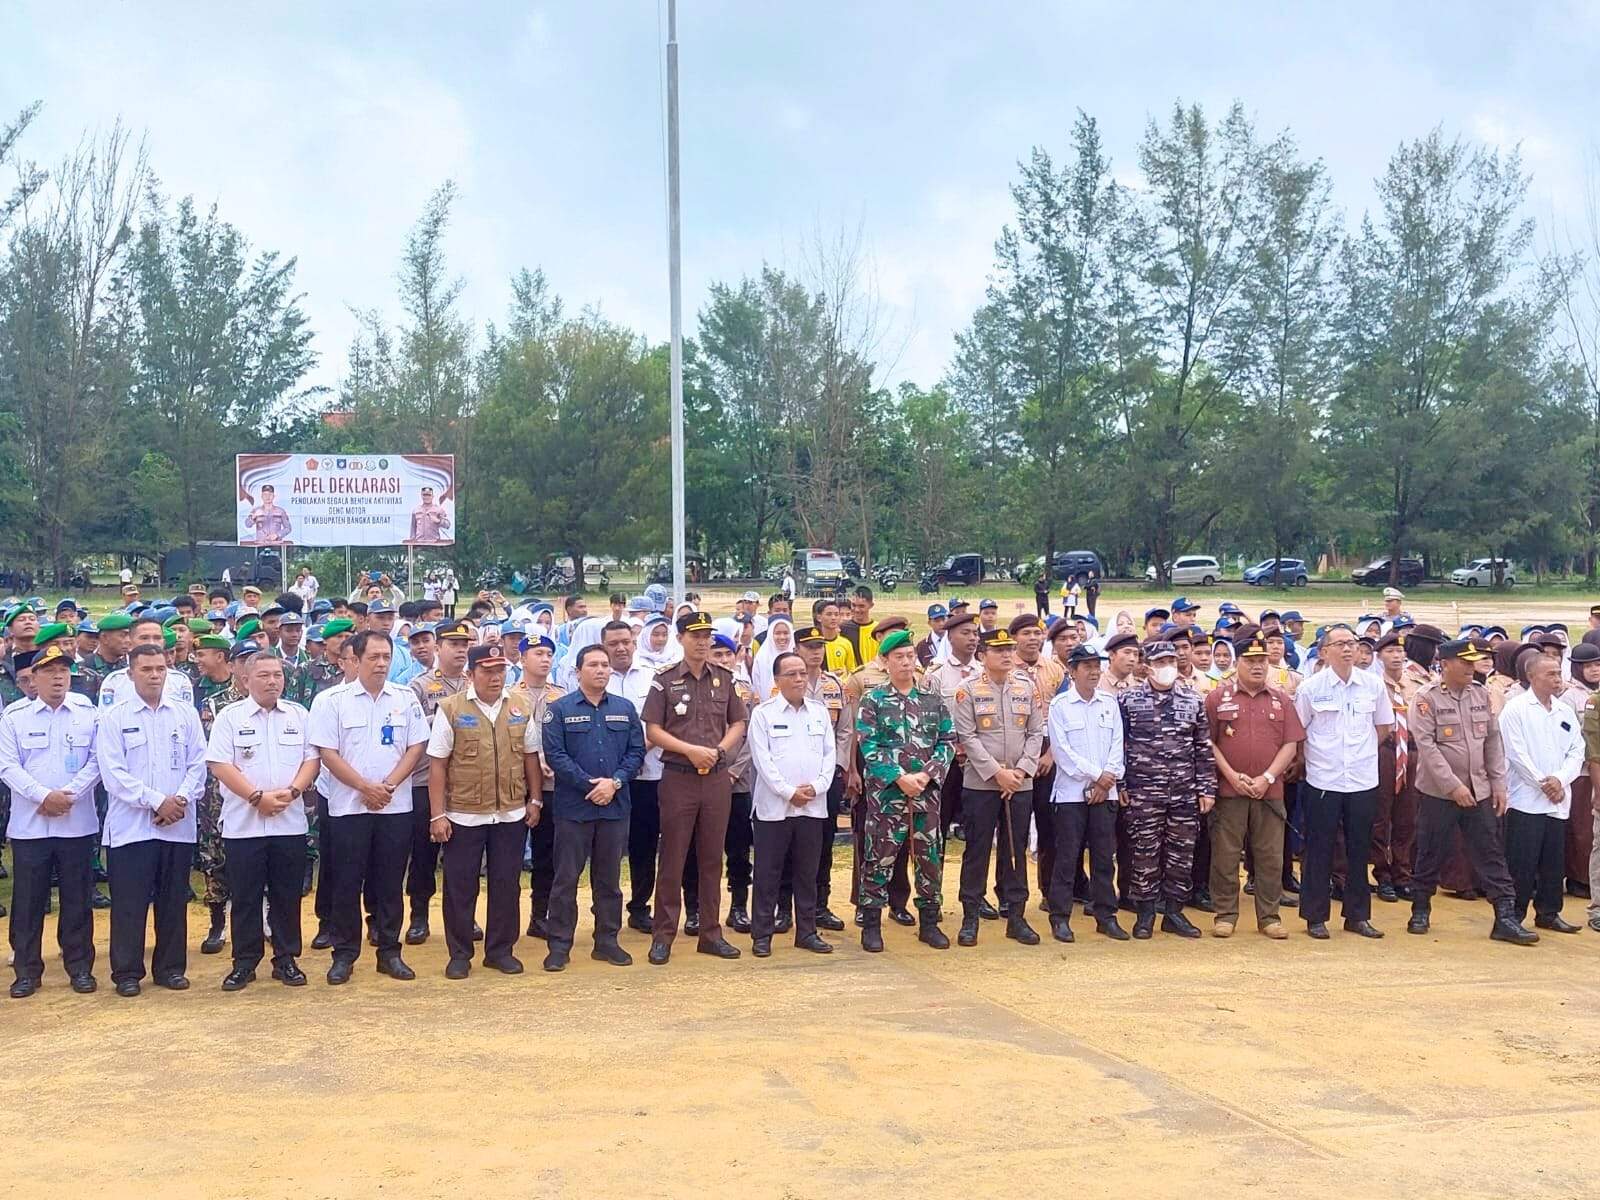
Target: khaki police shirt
1455	742
998	725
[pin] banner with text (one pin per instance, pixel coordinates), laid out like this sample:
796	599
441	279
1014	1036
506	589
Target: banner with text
346	499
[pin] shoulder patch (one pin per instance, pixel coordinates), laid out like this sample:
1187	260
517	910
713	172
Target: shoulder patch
961	694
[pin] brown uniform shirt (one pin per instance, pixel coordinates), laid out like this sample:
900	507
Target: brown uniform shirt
1455	741
998	725
694	710
1250	730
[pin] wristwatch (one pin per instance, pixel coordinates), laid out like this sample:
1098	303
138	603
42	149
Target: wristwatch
721	755
617	779
1269	777
294	792
254	798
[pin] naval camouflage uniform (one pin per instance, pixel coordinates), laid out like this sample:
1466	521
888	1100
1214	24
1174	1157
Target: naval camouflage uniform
901	734
211	698
1169	767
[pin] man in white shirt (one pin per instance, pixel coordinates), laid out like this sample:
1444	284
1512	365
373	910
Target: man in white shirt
371	733
116	687
261	755
793	748
1346	713
1085	728
47	759
152	758
1544	754
483	792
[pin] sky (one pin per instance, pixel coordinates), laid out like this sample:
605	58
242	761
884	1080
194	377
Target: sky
320	129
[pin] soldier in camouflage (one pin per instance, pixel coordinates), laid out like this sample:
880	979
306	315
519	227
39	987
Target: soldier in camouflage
907	743
298	684
218	694
1171	778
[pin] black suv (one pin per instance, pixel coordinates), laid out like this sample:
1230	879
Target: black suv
1376	573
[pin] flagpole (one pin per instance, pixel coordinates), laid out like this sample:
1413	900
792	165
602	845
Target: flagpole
675	275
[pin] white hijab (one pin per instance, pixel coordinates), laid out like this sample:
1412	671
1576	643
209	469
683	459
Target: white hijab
656	659
586	633
761	674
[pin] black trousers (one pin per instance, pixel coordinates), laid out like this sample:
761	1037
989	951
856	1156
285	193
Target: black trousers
794	839
369	857
142	874
423	866
464	856
541	840
1325	813
736	844
1438	819
644	837
1536	853
982	811
32	862
599	845
323	905
1044	822
273	868
1078	826
825	858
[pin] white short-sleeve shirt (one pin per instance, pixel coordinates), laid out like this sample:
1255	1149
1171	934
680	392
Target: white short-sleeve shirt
372	734
268	746
1341	718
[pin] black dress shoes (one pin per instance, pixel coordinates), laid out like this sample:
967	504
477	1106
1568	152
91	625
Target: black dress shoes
288	973
611	953
538	929
238	979
395	968
555	960
640	923
1556	923
324	938
417	932
738	919
691	924
901	917
128	987
460	968
1387	893
477	932
1318	930
761	947
1111	929
1061	929
826	919
340	971
659	953
1365	928
508	964
84	984
721	948
784	922
988	911
23	988
174	983
813	943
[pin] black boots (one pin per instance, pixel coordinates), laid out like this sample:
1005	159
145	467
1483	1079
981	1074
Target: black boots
1421	910
215	938
1174	921
1507	928
1144	923
872	930
1018	929
930	934
968	934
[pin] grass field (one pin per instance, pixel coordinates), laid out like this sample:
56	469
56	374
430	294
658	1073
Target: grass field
1431	1066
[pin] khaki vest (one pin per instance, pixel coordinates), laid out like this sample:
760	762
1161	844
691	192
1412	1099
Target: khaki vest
484	771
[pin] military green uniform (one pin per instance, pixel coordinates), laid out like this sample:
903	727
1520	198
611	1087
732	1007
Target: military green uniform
212	698
898	734
298	683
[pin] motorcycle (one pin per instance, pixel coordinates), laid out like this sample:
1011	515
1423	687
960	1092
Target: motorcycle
927	585
887	578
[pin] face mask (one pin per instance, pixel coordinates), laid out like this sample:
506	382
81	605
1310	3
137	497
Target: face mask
1164	676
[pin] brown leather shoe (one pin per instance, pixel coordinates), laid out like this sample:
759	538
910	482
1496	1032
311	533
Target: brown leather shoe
1275	931
1222	929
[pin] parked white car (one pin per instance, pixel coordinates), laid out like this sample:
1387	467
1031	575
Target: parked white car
1480	573
1192	568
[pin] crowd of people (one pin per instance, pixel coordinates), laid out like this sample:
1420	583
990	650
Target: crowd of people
360	747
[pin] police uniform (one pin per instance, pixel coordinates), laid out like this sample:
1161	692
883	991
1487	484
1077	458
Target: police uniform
999	725
43	749
697	708
372	734
422	868
146	754
265	854
944	678
1169	766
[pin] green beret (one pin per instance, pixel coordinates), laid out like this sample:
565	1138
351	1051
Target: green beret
247	628
212	641
115	621
893	642
50	632
198	625
169	638
12	614
337	626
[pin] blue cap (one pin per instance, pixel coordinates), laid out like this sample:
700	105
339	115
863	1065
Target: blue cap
67	602
290	617
986	603
1184	604
1268	612
1229	609
937	610
722	641
538	639
243	649
1168	630
956	602
314	634
656	592
163	614
380	605
36	603
1226	622
1292	615
638	603
1488	631
1156	612
420	627
232	610
1051	621
216	614
1086	618
322	605
89	627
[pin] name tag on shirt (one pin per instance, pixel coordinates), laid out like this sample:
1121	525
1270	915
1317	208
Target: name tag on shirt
133	738
288	735
782	731
616	718
36	737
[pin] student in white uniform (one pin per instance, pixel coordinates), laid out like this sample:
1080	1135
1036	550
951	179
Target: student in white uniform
793	748
371	734
152	753
261	755
47	760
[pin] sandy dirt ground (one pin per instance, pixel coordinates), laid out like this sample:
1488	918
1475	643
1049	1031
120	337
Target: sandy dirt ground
1417	1066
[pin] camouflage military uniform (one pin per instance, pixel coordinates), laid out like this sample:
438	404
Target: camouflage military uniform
897	735
211	698
298	684
1169	767
92	673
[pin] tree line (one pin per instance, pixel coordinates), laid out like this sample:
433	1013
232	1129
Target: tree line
1199	355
